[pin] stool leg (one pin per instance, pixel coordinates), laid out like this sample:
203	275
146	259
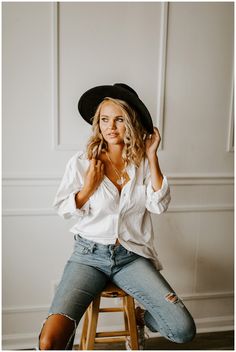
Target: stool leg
125	315
92	323
84	332
130	309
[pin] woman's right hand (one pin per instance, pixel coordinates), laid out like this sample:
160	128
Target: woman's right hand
94	176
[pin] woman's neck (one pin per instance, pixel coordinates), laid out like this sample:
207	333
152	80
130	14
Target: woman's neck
115	150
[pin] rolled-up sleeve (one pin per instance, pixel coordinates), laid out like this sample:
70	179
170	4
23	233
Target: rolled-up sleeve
64	202
156	201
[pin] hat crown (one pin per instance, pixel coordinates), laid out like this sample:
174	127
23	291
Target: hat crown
125	86
90	100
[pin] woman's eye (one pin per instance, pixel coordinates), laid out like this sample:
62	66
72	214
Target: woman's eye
118	119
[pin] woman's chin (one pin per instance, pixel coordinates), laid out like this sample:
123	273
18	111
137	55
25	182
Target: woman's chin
114	141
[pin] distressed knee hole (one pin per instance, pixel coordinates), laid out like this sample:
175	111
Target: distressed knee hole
171	297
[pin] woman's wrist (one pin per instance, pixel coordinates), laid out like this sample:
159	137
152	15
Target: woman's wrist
156	174
152	158
82	197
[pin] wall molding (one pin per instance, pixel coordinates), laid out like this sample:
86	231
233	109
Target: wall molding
55	15
174	179
172	209
200	179
162	70
55	75
200	208
28	341
182	180
208	324
28	212
185	297
230	140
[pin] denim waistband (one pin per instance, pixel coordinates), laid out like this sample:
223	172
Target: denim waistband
92	245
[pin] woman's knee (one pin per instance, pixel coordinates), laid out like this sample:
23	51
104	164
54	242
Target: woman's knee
185	332
56	333
46	343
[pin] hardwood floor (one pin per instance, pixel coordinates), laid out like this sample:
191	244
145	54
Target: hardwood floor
218	341
222	340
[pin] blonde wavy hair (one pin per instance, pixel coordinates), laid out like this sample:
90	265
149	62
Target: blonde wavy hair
134	138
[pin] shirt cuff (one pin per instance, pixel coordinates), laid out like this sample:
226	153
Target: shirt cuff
158	196
73	211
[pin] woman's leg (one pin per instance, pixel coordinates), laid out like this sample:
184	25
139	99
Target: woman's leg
79	285
57	333
165	313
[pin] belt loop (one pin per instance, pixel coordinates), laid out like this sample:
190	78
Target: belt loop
93	246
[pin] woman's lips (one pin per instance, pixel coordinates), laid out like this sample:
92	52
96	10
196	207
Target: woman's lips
112	135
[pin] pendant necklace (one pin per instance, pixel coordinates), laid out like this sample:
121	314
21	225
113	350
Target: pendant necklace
121	179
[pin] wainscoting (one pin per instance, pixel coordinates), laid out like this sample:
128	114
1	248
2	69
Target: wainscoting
184	72
206	341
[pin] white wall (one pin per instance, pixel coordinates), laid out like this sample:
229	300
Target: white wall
179	58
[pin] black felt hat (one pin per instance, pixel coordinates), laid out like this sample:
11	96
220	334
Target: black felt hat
90	100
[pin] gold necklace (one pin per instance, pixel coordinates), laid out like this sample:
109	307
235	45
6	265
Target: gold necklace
121	180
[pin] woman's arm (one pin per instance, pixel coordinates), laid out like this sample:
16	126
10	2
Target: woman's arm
76	188
156	174
93	178
81	198
158	191
152	144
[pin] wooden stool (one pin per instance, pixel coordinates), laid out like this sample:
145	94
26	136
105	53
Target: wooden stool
90	335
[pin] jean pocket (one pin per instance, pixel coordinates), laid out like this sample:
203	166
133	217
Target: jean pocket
81	247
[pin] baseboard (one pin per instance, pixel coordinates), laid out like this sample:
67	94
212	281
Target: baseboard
19	341
204	325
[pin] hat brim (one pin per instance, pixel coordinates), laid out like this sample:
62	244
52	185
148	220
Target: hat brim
90	100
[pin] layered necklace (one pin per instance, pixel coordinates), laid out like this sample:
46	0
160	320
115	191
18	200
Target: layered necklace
121	179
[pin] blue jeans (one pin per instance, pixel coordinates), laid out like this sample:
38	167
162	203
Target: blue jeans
90	267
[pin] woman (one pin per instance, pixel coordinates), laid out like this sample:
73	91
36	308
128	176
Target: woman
111	191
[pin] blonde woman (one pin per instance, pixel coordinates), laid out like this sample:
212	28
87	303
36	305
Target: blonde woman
110	191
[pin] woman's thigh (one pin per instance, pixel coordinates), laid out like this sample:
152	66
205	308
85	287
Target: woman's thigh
166	313
79	285
77	288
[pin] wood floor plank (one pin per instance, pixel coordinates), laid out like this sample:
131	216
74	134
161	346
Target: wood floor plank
222	340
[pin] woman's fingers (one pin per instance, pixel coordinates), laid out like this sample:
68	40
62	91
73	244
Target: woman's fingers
100	167
97	165
156	134
93	163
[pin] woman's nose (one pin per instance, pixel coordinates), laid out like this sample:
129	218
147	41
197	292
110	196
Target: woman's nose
112	124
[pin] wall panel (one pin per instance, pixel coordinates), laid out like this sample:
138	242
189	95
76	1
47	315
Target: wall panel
179	58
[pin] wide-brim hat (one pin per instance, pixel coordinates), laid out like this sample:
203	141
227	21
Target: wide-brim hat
90	100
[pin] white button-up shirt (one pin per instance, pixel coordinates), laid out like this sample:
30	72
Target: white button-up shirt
109	215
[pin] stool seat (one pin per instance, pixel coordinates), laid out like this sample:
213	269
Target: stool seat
90	336
111	290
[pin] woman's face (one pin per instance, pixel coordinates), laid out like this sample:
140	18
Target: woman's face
111	123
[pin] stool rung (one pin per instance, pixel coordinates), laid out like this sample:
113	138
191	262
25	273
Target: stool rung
113	309
110	340
112	333
89	334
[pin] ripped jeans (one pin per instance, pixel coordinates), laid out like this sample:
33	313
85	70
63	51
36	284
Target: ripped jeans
90	267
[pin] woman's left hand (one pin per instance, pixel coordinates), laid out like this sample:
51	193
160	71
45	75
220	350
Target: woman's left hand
152	143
